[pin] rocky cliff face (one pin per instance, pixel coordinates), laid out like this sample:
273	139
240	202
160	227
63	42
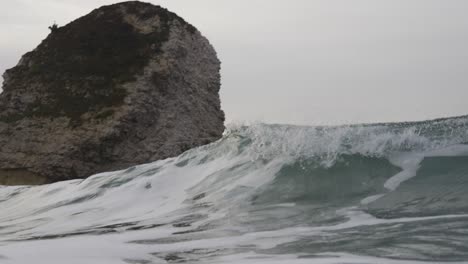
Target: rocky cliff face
126	84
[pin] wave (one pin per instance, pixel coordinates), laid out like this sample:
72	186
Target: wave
372	193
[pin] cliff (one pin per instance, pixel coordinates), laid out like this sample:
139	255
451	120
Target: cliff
127	84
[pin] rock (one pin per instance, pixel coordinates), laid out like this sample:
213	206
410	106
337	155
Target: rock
127	84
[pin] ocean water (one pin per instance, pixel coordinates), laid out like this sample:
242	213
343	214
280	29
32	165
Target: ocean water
383	193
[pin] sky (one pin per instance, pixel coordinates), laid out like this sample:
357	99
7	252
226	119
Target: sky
307	62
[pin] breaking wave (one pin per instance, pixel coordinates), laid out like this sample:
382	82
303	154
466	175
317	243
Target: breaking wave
379	193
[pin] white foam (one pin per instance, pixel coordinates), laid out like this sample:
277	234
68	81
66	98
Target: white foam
225	175
409	162
324	258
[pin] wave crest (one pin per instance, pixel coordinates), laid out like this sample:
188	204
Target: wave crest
326	144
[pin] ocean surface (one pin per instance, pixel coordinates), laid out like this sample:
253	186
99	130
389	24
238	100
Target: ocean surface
381	193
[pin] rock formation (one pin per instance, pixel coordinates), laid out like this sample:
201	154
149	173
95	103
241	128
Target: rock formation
127	84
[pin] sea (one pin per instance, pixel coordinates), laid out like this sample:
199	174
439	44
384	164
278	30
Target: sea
370	193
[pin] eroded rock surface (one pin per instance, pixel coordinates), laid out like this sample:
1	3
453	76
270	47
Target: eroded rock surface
127	84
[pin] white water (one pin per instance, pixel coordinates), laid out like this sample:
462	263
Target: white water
140	215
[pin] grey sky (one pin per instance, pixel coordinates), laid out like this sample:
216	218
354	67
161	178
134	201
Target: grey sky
305	61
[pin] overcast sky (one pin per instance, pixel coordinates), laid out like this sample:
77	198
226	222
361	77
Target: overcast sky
305	61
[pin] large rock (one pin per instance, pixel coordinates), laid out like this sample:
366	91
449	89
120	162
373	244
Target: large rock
126	84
